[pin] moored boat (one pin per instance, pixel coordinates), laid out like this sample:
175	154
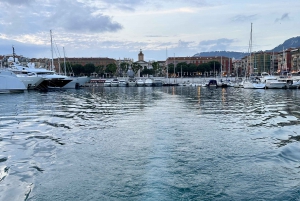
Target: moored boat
107	83
148	82
131	82
140	83
114	82
122	83
10	83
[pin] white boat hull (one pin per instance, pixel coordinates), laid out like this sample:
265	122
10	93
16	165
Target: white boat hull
275	85
31	82
10	83
251	85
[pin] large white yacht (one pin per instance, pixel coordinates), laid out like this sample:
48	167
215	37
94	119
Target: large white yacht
30	80
49	78
10	83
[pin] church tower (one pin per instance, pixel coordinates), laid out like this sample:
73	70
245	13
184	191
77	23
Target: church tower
141	56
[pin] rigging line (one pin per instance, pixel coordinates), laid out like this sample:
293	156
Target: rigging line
69	66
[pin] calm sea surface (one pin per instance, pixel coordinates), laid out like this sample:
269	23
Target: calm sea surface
165	143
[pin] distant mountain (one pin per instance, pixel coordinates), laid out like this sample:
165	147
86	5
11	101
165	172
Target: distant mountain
289	43
230	54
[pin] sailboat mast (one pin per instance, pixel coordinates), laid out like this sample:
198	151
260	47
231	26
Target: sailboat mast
65	61
221	67
167	63
174	68
250	49
51	68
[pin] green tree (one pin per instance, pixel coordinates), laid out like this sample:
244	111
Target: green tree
182	66
192	69
171	69
156	68
77	69
124	67
100	70
136	67
89	68
111	69
147	72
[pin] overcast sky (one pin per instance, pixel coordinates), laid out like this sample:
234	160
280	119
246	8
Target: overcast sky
120	28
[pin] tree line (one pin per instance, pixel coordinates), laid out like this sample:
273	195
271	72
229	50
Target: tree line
192	69
112	70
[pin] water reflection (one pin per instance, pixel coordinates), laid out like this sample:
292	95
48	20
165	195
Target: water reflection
158	140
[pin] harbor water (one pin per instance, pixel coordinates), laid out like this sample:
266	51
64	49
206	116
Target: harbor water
144	143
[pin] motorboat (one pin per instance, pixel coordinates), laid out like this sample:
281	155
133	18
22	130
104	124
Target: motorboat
122	83
252	84
140	83
157	82
294	85
107	83
114	82
131	82
148	82
10	83
272	82
212	83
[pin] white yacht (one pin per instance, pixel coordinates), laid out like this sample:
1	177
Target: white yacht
30	80
272	82
148	82
10	83
122	83
107	83
140	83
131	82
114	82
252	84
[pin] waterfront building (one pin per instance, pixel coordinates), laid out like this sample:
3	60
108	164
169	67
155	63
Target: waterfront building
295	60
284	60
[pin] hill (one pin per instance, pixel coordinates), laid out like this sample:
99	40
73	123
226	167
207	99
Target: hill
289	43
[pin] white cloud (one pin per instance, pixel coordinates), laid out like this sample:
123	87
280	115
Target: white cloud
119	28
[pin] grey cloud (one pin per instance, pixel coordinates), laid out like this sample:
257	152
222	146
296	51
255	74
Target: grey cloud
66	15
17	2
243	18
284	17
129	5
156	36
78	17
183	44
215	45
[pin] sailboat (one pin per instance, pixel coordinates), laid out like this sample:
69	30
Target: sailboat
252	82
